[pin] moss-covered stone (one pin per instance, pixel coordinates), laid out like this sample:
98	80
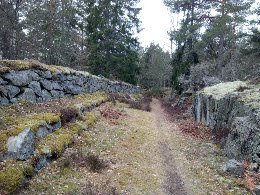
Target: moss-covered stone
222	89
232	111
30	121
57	142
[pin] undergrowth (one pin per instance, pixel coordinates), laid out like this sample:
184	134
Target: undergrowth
142	103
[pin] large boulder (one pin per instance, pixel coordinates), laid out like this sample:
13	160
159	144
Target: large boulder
234	167
232	111
2	82
50	85
72	89
36	87
3	100
9	91
46	96
28	95
21	146
21	78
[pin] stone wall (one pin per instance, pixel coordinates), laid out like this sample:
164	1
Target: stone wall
36	82
232	111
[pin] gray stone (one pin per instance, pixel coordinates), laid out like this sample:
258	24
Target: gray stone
12	91
230	110
13	101
41	162
22	146
46	96
54	127
57	94
3	90
42	131
46	74
36	87
71	77
257	190
50	85
2	82
39	100
3	101
253	167
21	78
234	167
9	91
243	130
28	95
73	89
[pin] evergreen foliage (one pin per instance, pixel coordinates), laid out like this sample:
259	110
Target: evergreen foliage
112	45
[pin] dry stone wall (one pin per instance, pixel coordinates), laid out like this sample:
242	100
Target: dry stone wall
232	111
35	82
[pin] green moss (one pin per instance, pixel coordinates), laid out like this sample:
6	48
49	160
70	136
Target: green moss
57	142
250	96
70	188
13	174
88	100
90	119
7	65
137	96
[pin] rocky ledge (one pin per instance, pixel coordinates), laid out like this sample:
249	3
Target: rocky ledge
232	111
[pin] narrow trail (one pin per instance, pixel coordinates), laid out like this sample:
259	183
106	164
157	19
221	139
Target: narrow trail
173	183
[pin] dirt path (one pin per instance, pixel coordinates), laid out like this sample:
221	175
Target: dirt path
173	183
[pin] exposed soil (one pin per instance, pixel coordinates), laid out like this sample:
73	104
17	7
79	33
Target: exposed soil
173	183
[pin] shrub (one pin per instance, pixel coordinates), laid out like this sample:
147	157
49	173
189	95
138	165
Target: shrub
68	115
95	163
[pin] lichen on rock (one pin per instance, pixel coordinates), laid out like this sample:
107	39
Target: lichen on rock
232	111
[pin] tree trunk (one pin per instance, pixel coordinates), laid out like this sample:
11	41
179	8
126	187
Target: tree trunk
220	61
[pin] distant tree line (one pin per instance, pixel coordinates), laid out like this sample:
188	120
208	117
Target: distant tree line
98	34
155	67
213	30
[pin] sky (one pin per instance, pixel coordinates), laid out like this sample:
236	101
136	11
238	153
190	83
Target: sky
156	22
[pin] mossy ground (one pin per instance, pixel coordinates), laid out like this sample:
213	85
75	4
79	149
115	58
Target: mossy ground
13	174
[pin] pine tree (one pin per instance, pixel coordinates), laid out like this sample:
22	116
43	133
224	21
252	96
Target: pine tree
54	31
112	47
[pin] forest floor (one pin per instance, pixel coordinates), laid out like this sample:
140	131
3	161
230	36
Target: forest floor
131	151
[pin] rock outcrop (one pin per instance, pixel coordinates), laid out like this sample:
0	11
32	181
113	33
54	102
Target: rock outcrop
35	82
232	111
